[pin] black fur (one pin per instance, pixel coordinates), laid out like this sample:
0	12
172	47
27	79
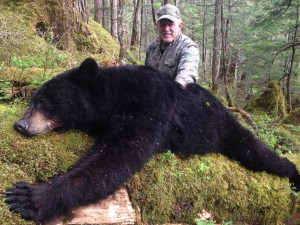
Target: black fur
136	112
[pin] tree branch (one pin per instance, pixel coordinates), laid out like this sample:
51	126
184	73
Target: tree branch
285	47
244	115
289	45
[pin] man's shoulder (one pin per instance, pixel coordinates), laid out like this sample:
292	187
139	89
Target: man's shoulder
186	41
189	48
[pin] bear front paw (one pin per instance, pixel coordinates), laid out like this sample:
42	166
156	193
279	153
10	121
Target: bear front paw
19	200
30	201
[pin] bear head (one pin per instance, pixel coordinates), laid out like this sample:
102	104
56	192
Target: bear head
61	102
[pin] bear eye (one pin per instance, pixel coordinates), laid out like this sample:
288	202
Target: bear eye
38	104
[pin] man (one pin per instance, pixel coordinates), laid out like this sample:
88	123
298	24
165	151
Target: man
173	52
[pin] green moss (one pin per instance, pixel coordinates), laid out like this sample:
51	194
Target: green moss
28	75
98	41
176	190
277	135
222	99
293	117
271	101
22	41
10	173
18	20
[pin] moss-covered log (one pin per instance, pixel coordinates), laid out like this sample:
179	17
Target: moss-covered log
170	189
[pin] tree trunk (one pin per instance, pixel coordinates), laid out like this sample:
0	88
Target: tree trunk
289	74
136	26
204	41
231	58
81	6
142	28
215	58
223	66
153	13
105	22
65	18
98	15
114	19
121	29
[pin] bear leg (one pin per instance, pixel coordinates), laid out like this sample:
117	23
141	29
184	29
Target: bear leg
255	155
100	173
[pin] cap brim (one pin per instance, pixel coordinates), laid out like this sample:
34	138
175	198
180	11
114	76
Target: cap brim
172	18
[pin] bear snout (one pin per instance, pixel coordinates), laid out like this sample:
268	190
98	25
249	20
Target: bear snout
22	127
35	123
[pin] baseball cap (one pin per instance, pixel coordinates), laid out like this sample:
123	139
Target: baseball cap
170	12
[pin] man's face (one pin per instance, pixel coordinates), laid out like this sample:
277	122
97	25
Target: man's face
168	29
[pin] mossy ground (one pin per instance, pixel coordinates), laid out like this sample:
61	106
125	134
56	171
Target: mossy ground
293	118
271	101
20	40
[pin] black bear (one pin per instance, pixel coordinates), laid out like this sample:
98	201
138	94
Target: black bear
135	112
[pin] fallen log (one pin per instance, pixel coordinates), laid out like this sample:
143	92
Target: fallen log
116	209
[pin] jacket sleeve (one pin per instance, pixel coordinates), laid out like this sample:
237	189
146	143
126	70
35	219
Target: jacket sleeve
188	65
148	51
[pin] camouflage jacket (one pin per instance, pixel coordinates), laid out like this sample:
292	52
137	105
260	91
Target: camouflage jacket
180	59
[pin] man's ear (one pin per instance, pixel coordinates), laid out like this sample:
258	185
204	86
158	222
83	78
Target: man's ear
180	25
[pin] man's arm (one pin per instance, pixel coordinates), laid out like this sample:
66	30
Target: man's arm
148	50
188	65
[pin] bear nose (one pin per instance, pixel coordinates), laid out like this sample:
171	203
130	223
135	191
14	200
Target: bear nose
21	126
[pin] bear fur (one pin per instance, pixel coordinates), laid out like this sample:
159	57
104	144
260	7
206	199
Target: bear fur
135	112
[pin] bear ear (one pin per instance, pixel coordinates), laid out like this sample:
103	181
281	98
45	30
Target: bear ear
89	67
86	74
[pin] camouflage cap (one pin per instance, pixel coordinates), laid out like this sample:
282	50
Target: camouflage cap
170	12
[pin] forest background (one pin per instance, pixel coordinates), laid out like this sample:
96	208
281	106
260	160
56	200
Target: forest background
243	44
